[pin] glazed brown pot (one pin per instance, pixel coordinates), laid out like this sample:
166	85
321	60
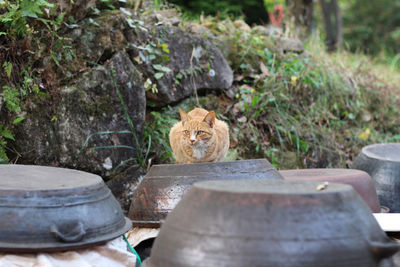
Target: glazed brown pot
53	209
164	185
359	180
270	223
382	163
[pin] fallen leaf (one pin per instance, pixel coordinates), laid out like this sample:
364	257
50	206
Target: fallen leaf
323	186
365	134
233	143
242	119
246	87
264	70
293	80
366	116
138	60
238	78
237	108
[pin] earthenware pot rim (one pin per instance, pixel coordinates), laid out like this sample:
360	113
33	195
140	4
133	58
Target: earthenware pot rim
272	187
372	155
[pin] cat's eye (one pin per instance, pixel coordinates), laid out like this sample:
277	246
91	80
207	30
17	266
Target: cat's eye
186	132
199	132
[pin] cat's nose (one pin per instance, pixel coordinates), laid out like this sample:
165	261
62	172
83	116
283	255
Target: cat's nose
192	140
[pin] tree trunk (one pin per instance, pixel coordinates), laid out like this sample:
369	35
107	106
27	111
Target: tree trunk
303	13
333	24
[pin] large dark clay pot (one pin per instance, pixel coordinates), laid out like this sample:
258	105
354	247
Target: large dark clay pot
359	180
53	209
164	185
382	163
270	223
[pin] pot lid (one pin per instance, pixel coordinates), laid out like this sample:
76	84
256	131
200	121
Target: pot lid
52	209
41	178
164	185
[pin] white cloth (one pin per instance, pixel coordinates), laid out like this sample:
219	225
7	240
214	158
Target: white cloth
112	254
389	222
138	234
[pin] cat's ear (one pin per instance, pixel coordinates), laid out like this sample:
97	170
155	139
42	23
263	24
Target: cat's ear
184	116
210	118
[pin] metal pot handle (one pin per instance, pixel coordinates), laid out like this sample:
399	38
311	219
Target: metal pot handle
70	232
383	250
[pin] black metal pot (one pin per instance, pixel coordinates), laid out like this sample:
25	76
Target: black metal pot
382	163
52	209
270	223
164	185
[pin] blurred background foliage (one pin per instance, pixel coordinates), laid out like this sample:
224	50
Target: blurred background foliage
372	26
253	11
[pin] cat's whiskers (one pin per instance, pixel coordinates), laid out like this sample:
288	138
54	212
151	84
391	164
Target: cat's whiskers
200	150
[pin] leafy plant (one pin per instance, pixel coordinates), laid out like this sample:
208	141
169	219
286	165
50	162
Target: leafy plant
161	71
7	68
158	128
17	14
154	51
5	134
106	4
12	98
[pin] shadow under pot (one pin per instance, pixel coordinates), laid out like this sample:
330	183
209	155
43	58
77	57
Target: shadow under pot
164	185
270	223
55	209
382	163
359	180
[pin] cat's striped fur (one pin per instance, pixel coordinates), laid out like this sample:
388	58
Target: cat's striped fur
199	137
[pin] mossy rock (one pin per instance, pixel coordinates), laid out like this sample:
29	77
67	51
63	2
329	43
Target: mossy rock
98	39
81	131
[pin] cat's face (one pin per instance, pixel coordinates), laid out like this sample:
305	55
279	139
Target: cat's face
197	132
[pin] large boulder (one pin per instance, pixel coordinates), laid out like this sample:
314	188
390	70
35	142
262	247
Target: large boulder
175	64
97	39
80	130
195	64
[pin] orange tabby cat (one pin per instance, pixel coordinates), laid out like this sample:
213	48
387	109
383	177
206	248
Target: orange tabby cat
199	137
